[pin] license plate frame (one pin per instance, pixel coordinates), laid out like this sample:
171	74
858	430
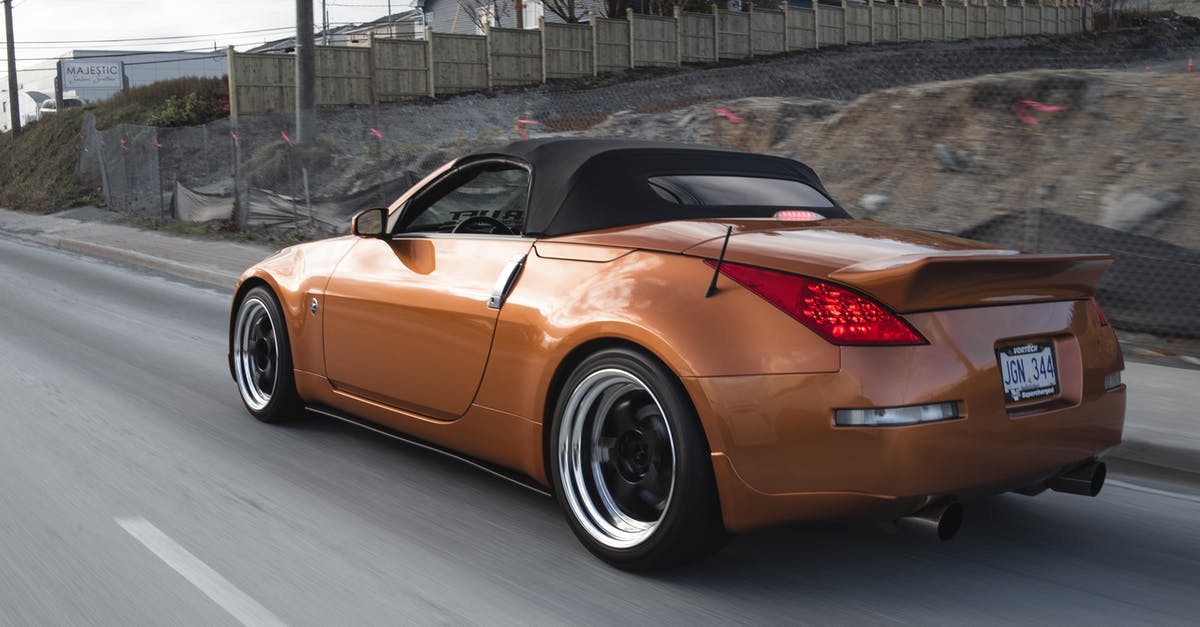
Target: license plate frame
1028	371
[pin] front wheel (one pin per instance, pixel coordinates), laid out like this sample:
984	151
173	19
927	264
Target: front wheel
262	358
632	468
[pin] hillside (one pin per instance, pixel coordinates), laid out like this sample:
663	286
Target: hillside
1119	149
42	162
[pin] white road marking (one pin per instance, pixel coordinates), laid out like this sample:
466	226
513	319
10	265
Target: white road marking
245	609
1139	488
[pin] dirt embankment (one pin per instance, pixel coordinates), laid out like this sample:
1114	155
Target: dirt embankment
1120	149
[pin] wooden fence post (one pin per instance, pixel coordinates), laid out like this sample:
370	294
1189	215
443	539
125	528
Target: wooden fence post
920	20
678	35
542	31
845	24
784	7
429	60
871	19
232	77
816	24
716	34
371	69
945	23
629	18
750	33
487	52
595	43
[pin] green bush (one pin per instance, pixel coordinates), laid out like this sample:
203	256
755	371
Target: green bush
190	110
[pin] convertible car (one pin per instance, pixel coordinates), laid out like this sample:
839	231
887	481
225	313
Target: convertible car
682	342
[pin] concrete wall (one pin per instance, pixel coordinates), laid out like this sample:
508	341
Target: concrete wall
390	70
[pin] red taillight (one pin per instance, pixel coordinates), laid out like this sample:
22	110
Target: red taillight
838	314
1100	313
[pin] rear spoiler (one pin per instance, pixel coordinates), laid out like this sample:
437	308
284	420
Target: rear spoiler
923	282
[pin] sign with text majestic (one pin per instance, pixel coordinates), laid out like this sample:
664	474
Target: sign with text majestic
92	74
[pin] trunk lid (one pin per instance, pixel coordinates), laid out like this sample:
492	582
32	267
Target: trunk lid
906	269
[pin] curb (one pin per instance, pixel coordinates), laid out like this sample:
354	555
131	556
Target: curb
1158	455
211	278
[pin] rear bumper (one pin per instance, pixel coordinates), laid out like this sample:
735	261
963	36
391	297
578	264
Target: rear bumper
777	455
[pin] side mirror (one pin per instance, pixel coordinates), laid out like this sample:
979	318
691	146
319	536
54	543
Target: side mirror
369	222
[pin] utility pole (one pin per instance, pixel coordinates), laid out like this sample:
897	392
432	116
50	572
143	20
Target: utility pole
14	102
306	93
324	24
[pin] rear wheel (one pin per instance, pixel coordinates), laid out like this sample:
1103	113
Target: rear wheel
631	466
262	358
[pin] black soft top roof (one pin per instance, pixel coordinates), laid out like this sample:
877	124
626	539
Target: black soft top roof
589	184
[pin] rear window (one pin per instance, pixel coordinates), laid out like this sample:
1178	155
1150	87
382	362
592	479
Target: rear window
723	189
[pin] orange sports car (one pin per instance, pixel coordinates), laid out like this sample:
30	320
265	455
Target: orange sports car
680	342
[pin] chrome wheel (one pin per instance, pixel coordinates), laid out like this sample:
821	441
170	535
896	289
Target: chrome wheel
616	458
256	353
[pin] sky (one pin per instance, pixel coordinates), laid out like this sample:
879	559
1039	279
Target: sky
45	29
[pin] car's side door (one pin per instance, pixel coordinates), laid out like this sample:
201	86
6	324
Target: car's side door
409	318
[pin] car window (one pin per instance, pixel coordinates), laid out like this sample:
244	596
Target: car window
484	194
720	189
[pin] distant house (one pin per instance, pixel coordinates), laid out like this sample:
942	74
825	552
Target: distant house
468	17
405	25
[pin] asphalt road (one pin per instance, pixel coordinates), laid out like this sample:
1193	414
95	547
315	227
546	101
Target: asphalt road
135	490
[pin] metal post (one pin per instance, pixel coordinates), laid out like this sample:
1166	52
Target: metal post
306	97
14	101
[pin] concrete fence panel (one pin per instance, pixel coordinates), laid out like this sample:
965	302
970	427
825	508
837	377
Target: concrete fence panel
858	24
933	22
995	20
1014	20
515	56
886	23
697	36
1033	19
956	21
831	25
733	29
391	70
1089	16
976	20
655	41
343	75
909	22
401	69
460	63
612	44
801	29
263	83
767	32
568	49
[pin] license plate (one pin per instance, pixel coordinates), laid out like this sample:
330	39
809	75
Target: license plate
1028	371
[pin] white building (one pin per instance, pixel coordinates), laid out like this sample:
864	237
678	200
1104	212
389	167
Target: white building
93	75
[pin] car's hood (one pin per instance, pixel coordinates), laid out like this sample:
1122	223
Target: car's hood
908	269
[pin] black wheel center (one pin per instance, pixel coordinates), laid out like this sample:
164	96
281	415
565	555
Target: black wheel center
633	455
261	353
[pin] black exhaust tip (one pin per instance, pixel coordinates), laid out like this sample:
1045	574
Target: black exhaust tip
943	519
1087	480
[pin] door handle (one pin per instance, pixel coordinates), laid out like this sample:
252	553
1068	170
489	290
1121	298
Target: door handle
506	281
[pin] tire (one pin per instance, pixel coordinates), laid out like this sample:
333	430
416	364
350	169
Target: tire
631	467
262	358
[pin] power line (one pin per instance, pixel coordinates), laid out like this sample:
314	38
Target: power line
165	37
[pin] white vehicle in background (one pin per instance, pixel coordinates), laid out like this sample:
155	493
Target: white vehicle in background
50	106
